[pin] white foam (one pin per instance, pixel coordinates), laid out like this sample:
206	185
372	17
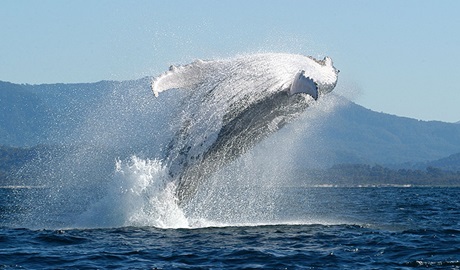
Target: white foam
140	191
139	195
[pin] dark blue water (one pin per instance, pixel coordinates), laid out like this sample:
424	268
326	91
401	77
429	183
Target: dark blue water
350	228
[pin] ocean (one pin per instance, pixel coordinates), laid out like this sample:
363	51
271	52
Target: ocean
328	228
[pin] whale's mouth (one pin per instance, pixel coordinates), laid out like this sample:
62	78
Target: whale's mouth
303	84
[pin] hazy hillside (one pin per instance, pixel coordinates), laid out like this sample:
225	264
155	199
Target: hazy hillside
24	116
354	134
31	113
44	114
450	163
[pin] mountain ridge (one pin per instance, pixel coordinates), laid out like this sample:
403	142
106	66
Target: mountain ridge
355	134
351	133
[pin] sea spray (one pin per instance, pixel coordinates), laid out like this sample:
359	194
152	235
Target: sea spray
139	195
95	181
252	190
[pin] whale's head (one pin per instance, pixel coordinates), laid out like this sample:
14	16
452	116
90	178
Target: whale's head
315	82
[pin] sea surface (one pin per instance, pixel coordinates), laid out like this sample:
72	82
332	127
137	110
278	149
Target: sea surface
327	228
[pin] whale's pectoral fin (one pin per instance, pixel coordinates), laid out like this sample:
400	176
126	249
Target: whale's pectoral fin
303	84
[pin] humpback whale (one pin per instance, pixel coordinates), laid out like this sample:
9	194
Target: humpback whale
232	104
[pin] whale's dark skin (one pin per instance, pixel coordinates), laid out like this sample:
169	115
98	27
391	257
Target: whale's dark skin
257	121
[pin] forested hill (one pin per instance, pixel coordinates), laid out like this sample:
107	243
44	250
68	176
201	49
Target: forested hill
357	135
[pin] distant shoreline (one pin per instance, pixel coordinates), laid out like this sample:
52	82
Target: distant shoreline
21	187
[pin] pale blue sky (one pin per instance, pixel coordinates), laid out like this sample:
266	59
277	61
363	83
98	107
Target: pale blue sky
401	57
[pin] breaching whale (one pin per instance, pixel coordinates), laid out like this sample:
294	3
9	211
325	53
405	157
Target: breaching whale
233	104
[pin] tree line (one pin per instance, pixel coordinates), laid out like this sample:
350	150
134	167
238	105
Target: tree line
13	160
364	174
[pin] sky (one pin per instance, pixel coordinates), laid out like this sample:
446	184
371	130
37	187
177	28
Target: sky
397	57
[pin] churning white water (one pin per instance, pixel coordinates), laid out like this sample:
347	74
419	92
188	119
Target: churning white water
130	156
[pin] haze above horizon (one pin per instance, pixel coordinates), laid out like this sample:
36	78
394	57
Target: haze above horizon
398	57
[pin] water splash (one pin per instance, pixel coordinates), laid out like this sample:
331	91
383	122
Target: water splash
117	170
139	195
